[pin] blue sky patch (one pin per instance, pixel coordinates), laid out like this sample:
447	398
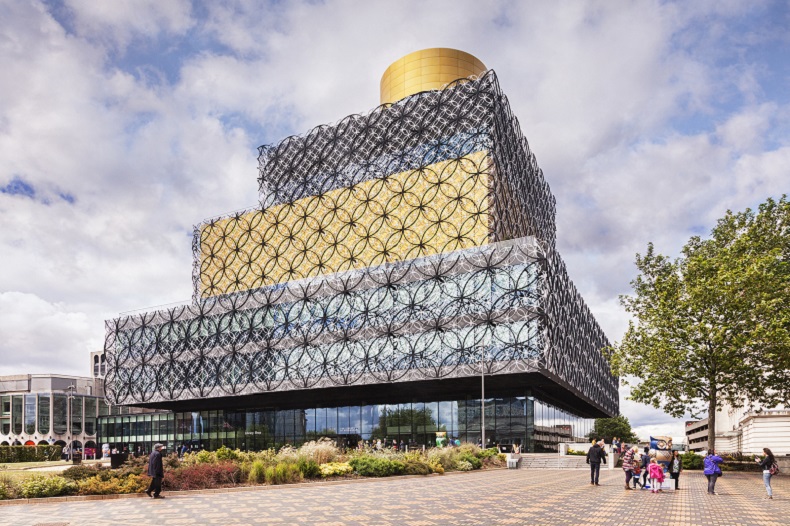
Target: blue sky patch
18	186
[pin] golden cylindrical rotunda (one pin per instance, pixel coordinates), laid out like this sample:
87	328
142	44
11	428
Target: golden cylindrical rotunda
425	70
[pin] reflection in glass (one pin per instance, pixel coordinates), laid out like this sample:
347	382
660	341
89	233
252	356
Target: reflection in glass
76	415
44	403
59	414
30	414
90	416
16	416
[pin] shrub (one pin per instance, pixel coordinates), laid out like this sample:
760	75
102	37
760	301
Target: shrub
472	449
42	486
370	466
417	467
257	473
7	490
11	454
471	459
436	467
576	452
692	461
133	466
320	451
308	468
463	465
225	454
487	453
170	461
203	476
283	473
116	485
333	469
444	457
287	453
76	473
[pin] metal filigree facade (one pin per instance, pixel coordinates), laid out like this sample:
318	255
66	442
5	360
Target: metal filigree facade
415	242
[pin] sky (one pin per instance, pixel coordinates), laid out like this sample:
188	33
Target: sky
124	123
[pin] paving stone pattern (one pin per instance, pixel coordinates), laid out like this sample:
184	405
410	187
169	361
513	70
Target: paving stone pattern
490	497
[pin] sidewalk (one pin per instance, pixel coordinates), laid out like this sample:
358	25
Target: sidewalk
491	497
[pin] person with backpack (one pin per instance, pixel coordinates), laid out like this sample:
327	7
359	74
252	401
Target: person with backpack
595	456
770	468
712	470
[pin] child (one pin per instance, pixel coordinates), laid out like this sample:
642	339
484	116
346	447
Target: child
656	474
637	470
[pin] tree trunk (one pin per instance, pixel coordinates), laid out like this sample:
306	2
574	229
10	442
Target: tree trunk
712	420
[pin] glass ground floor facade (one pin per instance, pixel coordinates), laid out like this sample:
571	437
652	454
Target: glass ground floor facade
534	424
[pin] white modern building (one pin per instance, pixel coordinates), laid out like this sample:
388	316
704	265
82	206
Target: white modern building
745	430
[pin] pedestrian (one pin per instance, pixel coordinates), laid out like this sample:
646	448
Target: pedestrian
712	470
656	475
616	445
628	466
645	464
156	471
637	470
595	456
770	468
675	467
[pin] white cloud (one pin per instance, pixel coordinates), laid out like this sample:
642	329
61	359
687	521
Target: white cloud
116	23
58	344
642	134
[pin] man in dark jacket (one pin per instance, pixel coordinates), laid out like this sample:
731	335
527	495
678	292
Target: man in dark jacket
156	471
595	456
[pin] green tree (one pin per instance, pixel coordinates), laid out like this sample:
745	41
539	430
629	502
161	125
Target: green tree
608	428
713	326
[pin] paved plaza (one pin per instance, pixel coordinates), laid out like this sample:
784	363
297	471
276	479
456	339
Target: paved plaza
488	497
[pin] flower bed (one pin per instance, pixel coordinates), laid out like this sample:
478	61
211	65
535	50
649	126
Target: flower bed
225	467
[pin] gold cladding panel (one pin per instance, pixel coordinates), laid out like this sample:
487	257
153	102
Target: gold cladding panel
435	209
448	64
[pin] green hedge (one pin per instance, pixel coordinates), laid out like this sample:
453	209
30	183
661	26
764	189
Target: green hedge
10	454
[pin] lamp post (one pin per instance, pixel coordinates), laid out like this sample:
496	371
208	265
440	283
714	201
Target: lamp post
69	428
483	397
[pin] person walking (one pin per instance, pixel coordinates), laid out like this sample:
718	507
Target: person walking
628	466
637	469
769	467
595	456
156	471
675	467
712	470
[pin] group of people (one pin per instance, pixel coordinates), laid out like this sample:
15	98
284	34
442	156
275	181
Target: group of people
712	470
640	468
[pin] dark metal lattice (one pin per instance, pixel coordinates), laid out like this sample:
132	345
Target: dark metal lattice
414	242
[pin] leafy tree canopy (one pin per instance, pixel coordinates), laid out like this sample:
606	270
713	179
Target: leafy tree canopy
713	326
608	428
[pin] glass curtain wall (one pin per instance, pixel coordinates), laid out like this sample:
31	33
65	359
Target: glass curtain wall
523	420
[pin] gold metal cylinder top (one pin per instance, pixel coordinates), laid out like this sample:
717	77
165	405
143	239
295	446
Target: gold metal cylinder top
425	70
